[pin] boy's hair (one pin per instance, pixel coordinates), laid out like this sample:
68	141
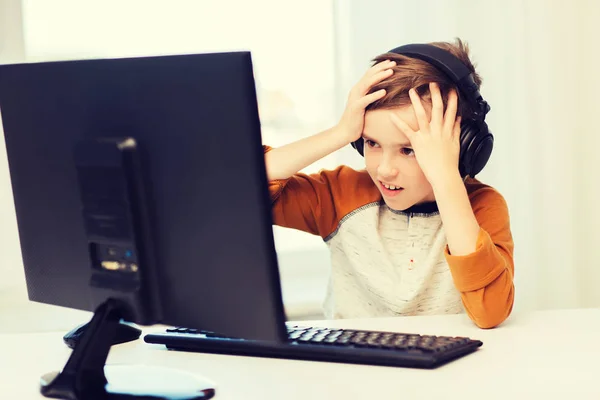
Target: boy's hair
414	73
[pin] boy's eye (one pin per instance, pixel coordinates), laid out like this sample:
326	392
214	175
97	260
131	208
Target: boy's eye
371	143
407	151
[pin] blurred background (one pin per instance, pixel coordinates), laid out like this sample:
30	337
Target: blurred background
537	58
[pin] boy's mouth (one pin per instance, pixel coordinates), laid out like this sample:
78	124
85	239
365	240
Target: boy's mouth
390	190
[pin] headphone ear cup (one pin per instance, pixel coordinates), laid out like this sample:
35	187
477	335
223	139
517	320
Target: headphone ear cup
359	146
476	144
482	153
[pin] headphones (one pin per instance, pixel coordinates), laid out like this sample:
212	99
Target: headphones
476	141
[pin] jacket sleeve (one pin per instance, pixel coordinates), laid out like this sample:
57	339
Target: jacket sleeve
485	277
306	202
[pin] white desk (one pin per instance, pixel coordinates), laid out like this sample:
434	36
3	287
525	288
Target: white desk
543	355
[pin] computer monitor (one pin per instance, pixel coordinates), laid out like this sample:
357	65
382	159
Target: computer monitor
140	192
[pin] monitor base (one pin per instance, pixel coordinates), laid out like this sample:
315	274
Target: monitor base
130	382
86	377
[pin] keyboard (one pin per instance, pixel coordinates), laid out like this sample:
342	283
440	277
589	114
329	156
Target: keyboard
327	344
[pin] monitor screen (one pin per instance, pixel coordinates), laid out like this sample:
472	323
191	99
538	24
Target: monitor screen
143	180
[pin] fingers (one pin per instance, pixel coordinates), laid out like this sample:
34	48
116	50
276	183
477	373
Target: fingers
437	105
449	117
403	126
419	111
381	66
376	74
371	81
373	76
456	129
370	98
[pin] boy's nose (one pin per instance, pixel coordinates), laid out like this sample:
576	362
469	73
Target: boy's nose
387	170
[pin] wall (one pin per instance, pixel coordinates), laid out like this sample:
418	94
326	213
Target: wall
539	76
538	66
49	35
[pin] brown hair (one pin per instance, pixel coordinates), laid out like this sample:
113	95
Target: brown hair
414	73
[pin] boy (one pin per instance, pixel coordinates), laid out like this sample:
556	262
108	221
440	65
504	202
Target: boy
408	235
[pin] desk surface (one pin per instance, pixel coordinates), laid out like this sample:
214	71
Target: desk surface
549	355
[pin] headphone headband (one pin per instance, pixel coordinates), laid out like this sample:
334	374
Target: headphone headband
454	68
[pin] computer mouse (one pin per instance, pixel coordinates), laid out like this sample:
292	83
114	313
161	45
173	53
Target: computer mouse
127	332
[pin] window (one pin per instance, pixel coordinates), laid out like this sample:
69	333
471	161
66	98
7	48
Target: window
293	52
292	46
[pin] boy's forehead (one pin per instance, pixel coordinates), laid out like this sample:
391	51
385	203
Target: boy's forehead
378	122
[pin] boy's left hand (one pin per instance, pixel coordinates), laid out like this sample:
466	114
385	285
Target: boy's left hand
437	142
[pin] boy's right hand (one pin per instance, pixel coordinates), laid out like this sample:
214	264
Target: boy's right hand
285	161
352	122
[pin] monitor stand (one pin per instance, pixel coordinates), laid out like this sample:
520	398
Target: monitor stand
125	333
86	377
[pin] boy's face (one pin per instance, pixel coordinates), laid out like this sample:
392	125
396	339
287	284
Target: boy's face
390	160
